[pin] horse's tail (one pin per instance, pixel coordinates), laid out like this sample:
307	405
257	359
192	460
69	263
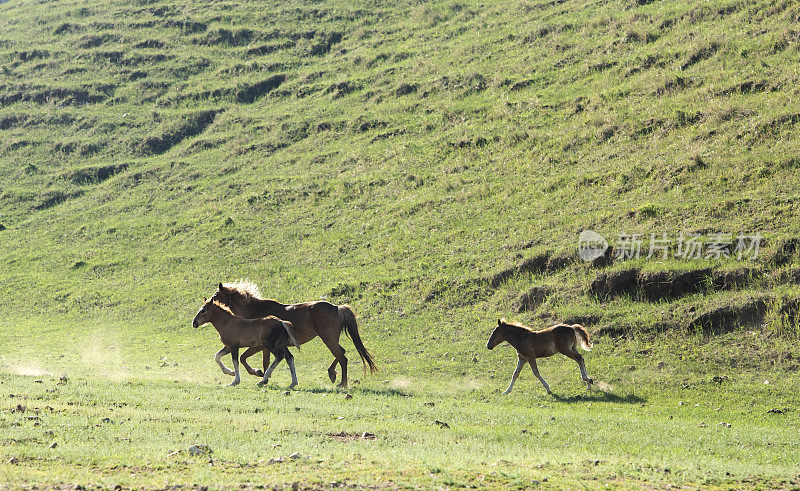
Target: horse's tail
348	319
290	331
582	336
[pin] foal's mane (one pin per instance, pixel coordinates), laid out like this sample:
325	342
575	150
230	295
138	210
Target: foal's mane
222	306
246	290
515	327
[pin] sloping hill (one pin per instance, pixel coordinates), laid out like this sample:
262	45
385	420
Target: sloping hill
429	163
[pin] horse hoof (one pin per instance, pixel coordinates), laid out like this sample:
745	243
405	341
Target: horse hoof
343	385
234	383
261	384
259	373
332	375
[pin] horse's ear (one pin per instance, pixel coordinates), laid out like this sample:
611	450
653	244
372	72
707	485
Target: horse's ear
499	322
221	287
205	300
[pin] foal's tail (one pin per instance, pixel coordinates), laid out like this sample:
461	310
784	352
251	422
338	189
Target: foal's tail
582	336
290	331
348	319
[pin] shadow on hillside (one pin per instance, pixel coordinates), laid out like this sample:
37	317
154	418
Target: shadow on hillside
601	396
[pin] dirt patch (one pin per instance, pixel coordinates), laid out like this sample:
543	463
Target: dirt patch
227	37
249	94
268	48
656	286
187	26
36	54
343	436
717	320
64	96
325	43
790	311
559	262
606	259
95	40
406	88
461	293
733	279
94	175
534	297
11	121
342	88
700	54
54	198
785	252
534	265
67	27
586	320
191	125
150	44
613	284
665	285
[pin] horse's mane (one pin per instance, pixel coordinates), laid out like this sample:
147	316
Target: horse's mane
516	327
246	290
222	306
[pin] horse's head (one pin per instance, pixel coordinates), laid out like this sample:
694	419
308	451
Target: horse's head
497	336
204	314
224	295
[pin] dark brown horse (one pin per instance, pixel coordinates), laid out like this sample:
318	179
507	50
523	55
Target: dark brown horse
271	333
530	345
310	319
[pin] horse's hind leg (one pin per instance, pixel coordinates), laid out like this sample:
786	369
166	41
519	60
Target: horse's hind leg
332	370
247	354
338	352
535	369
520	364
218	357
268	371
264	362
579	358
290	361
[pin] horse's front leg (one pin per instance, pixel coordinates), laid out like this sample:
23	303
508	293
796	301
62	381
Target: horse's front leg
235	357
520	364
247	354
224	351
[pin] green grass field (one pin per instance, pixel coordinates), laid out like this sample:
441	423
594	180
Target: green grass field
698	420
432	164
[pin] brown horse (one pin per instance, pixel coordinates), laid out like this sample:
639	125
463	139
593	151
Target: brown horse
530	345
310	319
234	331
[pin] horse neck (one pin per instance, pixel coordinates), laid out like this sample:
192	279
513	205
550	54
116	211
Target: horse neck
221	320
264	307
513	337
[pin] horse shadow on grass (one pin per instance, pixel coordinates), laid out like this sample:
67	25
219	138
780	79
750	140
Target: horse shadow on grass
391	392
600	396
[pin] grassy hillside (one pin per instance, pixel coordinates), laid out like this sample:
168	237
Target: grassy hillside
431	164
